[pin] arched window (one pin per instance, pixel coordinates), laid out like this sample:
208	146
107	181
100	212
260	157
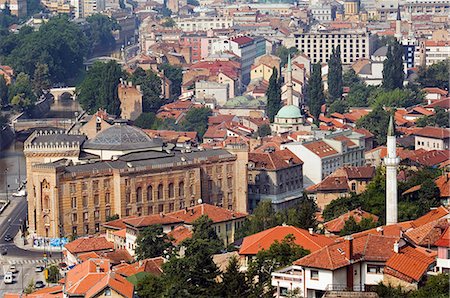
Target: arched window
149	193
139	194
181	189
171	190
160	192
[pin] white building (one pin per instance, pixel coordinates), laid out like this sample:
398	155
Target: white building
318	44
203	23
219	92
323	12
432	138
323	157
429	52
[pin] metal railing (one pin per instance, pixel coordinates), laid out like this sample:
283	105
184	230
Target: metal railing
346	288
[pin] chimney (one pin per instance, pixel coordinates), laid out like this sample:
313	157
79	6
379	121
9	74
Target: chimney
311	231
348	248
97	268
380	230
396	247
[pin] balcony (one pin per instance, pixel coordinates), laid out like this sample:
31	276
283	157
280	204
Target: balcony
345	288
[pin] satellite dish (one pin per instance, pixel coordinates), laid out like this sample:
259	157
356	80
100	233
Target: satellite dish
200	201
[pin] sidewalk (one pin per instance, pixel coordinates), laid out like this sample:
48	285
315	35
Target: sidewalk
18	241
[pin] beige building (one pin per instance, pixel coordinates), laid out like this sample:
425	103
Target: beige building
262	68
74	184
17	7
130	100
318	45
432	138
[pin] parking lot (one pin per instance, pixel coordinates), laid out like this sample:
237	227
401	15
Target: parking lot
25	273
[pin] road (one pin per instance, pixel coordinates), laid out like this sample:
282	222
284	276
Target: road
22	278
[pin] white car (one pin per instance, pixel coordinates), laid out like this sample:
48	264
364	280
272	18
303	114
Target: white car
8	278
13	268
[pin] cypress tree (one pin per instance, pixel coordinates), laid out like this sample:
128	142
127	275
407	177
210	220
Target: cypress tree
273	95
316	97
393	74
335	84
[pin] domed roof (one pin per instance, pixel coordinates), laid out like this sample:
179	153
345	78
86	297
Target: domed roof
290	112
122	137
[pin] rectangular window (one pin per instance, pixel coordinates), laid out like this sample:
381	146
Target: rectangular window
86	229
74	218
315	274
97	227
149	210
74	203
127	197
107	213
106	183
107	198
73	187
230	182
85	216
96	200
375	269
85	201
160	208
74	230
84	186
96	214
95	185
127	212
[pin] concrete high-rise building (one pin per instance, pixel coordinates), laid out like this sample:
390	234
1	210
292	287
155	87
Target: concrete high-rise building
391	162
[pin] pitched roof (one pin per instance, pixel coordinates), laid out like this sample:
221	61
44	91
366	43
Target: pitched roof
152	266
368	247
330	183
363	131
337	224
442	182
431	158
434	214
427	234
275	160
117	224
179	234
410	264
215	213
435	90
434	132
87	244
442	103
153	219
263	240
444	240
320	148
242	40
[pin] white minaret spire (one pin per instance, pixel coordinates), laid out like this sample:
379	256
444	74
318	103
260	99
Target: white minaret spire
289	92
391	162
398	25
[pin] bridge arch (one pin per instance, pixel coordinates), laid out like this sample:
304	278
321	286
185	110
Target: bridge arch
58	92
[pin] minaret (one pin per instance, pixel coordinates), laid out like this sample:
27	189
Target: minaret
289	92
391	162
398	25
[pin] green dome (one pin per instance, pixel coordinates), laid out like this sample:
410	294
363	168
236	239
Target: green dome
290	112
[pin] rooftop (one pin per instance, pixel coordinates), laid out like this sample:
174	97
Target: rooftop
87	244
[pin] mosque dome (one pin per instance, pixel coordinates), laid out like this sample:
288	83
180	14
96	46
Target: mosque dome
122	137
289	112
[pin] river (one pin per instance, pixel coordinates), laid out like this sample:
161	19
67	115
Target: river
12	159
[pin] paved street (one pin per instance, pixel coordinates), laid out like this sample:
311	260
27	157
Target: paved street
24	275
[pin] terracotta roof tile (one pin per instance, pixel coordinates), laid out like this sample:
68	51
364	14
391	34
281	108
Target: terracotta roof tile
434	132
411	263
320	148
242	40
88	244
330	183
216	214
337	224
153	219
275	160
262	240
435	90
431	158
153	266
179	234
435	214
442	103
444	240
117	224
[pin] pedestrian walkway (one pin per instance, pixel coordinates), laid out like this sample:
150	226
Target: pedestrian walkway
32	261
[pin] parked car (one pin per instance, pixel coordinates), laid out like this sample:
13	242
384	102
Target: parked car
4	251
39	284
8	238
8	278
13	268
39	268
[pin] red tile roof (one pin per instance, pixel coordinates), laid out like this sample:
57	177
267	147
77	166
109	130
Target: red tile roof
242	40
431	158
152	266
410	264
276	160
444	240
179	234
442	103
263	240
442	182
330	184
117	224
364	132
118	256
434	132
216	214
435	90
434	214
428	233
88	244
153	219
320	148
368	247
337	224
345	140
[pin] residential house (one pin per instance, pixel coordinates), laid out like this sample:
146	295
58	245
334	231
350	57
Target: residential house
275	176
334	226
434	94
432	138
83	245
309	240
263	66
443	252
341	183
442	182
130	100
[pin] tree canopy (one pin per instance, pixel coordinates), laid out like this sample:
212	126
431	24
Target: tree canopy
100	32
175	75
21	94
99	88
151	89
435	75
376	122
273	94
152	242
393	74
440	119
315	92
335	81
282	52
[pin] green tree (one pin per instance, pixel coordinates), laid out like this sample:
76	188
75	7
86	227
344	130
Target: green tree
151	89
3	92
351	226
303	214
376	122
315	93
440	119
264	130
30	287
145	120
168	22
338	106
437	286
234	282
99	88
280	254
100	32
196	119
150	286
393	74
152	242
53	274
350	78
41	79
112	217
282	52
428	195
435	75
401	98
273	95
203	230
175	75
263	217
21	93
3	120
359	94
335	82
389	291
